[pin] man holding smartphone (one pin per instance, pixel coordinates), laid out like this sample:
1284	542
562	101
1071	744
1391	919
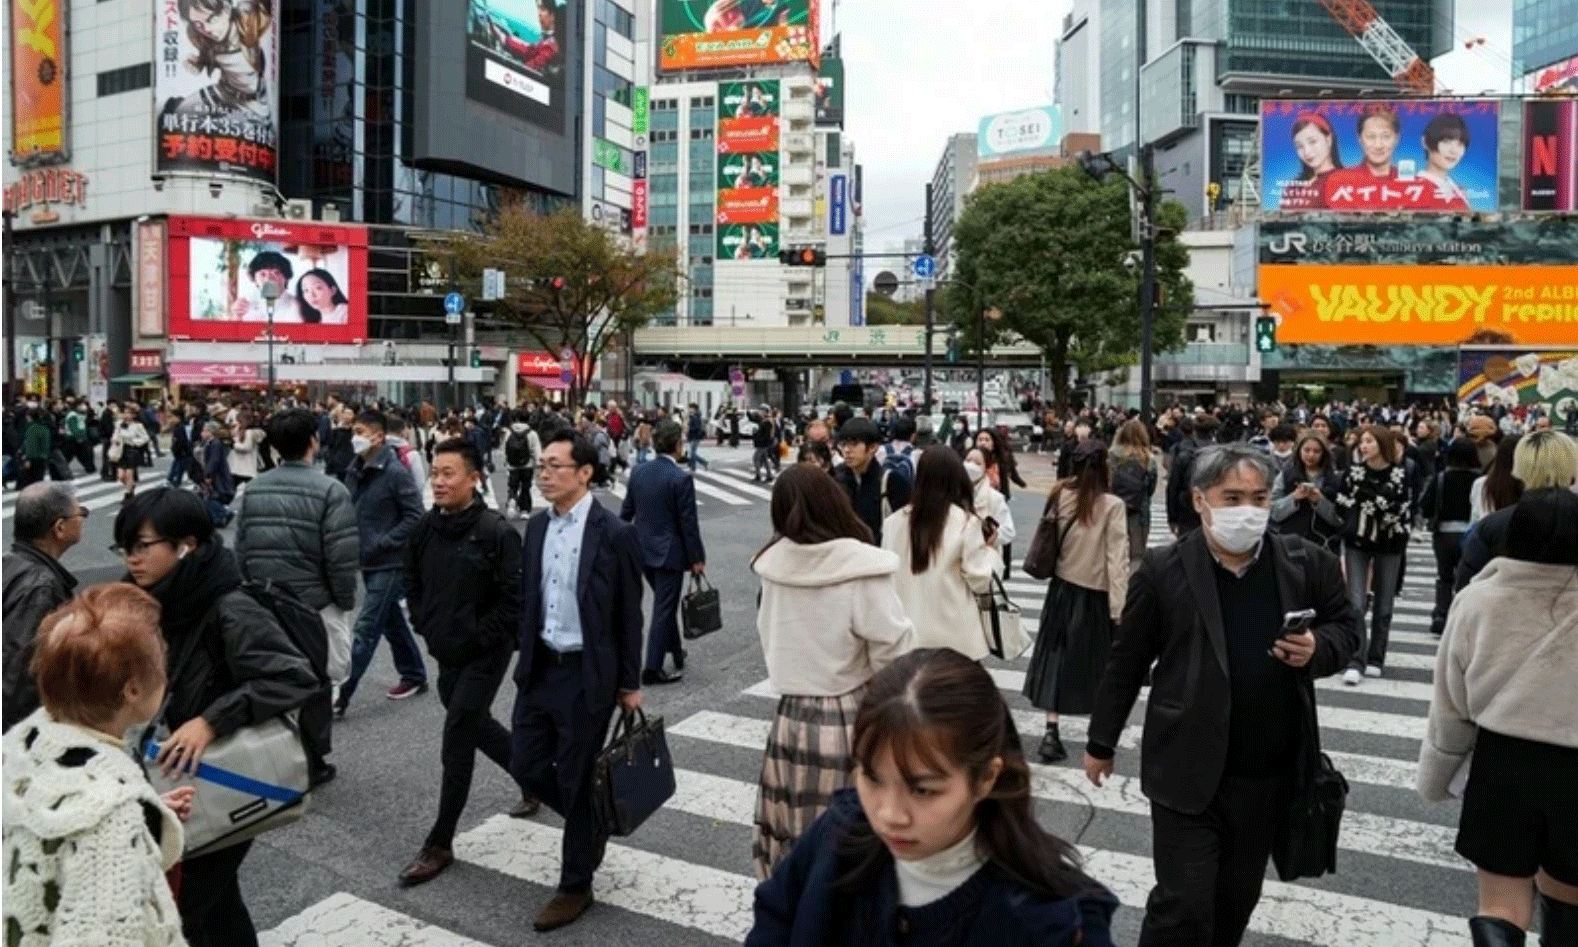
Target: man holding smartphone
1237	622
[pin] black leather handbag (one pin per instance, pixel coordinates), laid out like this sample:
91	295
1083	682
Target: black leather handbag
633	776
701	608
1306	843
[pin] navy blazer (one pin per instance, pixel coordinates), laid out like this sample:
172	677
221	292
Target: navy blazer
608	591
661	500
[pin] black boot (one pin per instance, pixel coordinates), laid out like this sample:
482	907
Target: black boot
1052	746
1494	932
1558	923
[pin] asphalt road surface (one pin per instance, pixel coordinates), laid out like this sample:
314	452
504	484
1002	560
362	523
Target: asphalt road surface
685	877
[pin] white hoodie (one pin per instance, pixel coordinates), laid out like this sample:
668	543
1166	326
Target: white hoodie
829	616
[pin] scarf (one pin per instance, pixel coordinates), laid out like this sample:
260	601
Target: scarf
187	595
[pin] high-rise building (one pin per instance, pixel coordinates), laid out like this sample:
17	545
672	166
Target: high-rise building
1544	34
951	183
1077	88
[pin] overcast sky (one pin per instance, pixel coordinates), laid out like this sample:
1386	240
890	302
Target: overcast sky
917	76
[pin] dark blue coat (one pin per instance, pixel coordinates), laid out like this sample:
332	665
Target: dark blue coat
608	594
801	906
661	501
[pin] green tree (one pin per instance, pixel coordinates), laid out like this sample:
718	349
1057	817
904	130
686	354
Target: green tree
568	283
1054	252
882	311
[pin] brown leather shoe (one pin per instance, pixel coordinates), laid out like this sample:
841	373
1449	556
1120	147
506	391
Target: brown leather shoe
526	808
565	908
429	864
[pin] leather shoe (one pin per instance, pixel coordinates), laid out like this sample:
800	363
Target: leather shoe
565	908
322	775
429	864
660	676
679	660
526	808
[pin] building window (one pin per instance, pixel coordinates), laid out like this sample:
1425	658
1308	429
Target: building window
700	134
1200	332
127	79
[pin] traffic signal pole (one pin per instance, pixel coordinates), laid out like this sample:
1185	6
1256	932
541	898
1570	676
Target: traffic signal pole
931	314
1147	281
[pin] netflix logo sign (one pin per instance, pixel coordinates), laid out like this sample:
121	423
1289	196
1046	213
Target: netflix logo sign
1550	158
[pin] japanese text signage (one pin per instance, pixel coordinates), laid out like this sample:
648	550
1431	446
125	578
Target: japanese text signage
1015	133
215	83
1415	240
606	154
1550	155
838	199
1425	155
39	93
705	34
638	204
1422	305
640	110
149	299
146	361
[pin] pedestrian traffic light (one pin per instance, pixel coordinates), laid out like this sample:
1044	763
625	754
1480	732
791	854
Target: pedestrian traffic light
803	256
1265	334
78	351
476	358
953	343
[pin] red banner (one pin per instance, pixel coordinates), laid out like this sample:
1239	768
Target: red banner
757	205
220	271
146	361
747	135
638	204
215	373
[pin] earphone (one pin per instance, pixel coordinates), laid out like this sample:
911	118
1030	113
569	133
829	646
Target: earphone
183	552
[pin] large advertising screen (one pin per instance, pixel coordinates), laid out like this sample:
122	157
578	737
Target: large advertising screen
748	169
704	34
1559	77
1426	155
1511	377
215	85
830	92
38	81
1451	239
218	269
1550	155
1422	305
748	242
515	58
1017	133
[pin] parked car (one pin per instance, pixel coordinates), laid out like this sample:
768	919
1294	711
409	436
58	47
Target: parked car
1018	424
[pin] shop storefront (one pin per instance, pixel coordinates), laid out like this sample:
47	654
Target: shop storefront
540	376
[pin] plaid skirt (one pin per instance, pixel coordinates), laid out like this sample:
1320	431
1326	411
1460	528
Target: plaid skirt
807	760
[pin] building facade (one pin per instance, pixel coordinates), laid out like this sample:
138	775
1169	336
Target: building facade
1544	34
951	183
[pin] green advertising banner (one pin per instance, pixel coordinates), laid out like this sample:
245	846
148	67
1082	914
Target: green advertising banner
830	92
748	242
606	154
639	104
748	99
746	171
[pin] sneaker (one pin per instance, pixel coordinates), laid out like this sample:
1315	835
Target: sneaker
1351	677
1373	670
406	689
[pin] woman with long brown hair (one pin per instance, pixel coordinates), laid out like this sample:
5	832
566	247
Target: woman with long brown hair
828	619
1376	506
945	555
939	840
1134	478
1085	598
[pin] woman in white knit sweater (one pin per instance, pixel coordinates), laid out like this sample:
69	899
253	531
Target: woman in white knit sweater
829	619
87	840
1504	679
945	555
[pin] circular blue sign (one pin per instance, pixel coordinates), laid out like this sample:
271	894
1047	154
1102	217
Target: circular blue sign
454	304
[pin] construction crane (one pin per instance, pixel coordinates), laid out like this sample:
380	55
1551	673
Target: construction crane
1383	44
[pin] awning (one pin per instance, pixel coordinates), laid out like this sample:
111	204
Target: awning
546	382
135	379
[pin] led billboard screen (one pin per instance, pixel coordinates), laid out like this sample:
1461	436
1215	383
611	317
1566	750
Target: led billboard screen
704	34
830	92
215	84
218	268
1426	155
1510	377
38	81
1550	155
748	242
1422	305
748	168
515	58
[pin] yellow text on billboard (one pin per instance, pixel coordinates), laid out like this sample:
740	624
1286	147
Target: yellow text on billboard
38	81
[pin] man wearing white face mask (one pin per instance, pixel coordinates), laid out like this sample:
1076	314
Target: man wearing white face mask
1232	682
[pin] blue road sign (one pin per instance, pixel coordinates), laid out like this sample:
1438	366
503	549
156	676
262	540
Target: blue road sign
924	266
454	304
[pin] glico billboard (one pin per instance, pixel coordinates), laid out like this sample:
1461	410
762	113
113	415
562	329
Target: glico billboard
218	269
1425	155
706	34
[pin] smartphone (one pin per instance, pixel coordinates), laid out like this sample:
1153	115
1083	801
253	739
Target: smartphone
988	527
1295	623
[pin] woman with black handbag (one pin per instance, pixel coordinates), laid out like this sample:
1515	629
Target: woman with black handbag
242	671
1085	598
1304	498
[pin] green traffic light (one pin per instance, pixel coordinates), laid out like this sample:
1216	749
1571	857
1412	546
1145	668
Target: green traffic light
1265	334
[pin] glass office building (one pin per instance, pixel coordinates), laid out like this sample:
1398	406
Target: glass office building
1544	32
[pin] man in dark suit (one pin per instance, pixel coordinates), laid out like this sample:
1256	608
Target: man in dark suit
1231	688
580	655
661	502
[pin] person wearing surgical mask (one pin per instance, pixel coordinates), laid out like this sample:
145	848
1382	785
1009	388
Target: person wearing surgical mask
989	503
1234	625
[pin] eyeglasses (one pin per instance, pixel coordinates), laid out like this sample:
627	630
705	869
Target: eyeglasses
556	466
83	513
137	549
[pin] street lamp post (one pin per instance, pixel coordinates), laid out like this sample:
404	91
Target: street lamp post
271	292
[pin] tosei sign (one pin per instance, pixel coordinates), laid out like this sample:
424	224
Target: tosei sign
1422	305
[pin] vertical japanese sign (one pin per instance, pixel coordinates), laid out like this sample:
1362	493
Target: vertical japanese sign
38	81
838	198
640	110
152	272
215	87
1550	155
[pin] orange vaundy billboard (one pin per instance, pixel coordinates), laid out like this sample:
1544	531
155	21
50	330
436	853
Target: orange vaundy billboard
1422	305
38	81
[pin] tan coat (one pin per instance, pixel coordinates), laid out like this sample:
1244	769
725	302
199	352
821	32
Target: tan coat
941	600
1096	555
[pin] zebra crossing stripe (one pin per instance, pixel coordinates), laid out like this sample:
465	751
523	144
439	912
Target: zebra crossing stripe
344	920
734	483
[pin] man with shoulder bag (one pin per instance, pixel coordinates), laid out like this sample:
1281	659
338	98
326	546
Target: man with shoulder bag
1238	624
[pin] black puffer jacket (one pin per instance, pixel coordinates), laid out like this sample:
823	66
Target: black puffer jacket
35	585
243	668
463	584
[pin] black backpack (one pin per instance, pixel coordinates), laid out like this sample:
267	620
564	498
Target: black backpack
517	450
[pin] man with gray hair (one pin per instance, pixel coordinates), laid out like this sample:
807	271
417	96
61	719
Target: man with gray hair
1238	624
48	522
661	501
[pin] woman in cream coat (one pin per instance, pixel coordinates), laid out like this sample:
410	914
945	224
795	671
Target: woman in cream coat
989	503
945	555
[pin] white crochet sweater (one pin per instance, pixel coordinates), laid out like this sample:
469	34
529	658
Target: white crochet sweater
82	868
